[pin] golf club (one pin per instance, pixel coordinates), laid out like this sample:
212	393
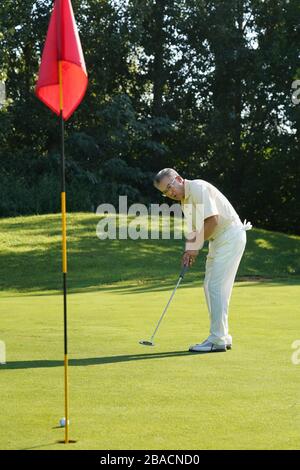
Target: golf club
181	275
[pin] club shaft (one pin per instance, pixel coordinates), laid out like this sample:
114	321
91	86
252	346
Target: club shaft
166	308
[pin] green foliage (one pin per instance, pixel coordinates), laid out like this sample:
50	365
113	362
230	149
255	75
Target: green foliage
202	86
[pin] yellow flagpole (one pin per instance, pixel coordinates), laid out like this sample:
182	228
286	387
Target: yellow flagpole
64	256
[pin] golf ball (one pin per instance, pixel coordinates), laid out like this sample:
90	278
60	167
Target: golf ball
62	422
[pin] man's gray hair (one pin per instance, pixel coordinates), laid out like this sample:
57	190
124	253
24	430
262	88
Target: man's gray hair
170	172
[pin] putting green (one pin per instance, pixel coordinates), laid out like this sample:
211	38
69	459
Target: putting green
127	396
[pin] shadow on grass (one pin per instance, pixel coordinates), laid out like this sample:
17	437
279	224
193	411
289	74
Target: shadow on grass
91	361
40	445
154	286
31	257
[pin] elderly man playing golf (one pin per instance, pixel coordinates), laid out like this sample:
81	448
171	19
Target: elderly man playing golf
222	227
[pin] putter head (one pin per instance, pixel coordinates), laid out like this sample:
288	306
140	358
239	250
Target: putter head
146	343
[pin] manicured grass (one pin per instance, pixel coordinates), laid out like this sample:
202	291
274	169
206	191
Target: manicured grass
124	395
30	254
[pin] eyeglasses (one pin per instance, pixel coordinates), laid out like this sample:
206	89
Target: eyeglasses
165	192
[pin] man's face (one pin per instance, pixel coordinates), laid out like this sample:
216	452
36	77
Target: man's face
172	187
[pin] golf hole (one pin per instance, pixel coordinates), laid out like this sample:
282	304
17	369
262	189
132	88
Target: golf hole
70	441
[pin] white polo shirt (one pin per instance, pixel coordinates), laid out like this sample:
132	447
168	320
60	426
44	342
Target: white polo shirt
212	201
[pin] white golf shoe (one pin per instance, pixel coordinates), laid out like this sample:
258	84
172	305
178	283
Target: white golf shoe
228	342
208	346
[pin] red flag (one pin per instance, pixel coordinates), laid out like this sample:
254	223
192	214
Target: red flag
62	91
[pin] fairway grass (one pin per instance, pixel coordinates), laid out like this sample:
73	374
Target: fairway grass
127	396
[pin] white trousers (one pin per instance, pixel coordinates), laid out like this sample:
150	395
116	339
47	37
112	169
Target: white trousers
222	262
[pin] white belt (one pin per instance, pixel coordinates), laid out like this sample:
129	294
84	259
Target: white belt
245	226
